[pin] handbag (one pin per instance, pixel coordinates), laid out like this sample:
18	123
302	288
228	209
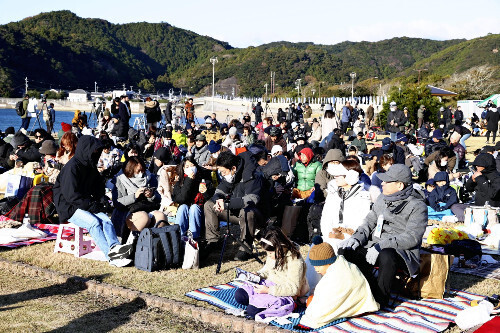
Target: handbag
481	216
191	253
143	205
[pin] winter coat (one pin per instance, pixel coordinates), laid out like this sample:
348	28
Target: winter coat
405	220
492	117
316	134
5	152
399	120
25	108
306	175
185	193
258	113
323	177
431	146
462	130
152	111
125	188
460	150
487	186
336	142
360	144
442	194
124	113
202	155
354	205
328	125
370	112
346	114
29	154
212	134
420	113
459	116
79	185
120	129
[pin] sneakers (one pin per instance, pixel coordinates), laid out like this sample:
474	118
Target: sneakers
120	262
242	256
120	251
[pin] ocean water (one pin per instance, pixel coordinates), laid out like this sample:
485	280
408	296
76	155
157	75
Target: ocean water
9	117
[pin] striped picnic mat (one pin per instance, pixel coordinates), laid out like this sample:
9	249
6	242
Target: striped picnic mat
428	315
51	231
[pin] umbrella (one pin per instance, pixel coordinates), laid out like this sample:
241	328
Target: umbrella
495	99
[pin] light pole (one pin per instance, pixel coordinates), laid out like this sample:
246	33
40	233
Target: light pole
353	76
298	87
213	61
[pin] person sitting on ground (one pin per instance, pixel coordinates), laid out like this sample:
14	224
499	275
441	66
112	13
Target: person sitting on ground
78	194
148	148
391	234
200	151
443	197
275	138
275	175
9	134
242	186
163	166
105	122
333	157
23	150
442	160
232	140
67	148
191	192
390	147
110	157
284	275
5	152
305	172
360	143
430	185
40	136
459	151
315	131
485	181
51	167
363	177
167	142
335	141
346	205
120	129
135	197
411	161
342	292
435	143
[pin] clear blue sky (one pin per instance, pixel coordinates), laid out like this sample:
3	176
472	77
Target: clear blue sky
243	23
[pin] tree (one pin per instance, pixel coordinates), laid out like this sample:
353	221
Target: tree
476	83
411	96
146	85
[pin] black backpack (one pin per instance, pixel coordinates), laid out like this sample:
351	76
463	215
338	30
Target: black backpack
159	248
19	108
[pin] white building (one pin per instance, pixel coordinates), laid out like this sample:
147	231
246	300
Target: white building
78	95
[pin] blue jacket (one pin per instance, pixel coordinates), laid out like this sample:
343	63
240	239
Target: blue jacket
346	114
442	194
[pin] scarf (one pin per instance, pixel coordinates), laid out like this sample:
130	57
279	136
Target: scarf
401	195
132	184
344	195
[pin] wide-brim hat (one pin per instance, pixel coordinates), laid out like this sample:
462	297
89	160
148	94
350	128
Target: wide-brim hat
48	147
19	139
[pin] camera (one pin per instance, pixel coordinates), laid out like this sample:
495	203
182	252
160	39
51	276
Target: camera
44	98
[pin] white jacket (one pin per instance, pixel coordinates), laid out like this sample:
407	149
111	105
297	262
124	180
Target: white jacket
356	207
328	125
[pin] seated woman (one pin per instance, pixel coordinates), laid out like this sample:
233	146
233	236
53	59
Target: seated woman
383	164
342	292
67	148
136	198
163	166
305	172
190	192
346	204
442	198
443	159
284	275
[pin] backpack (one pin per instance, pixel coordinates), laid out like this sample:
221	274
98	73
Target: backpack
159	248
19	108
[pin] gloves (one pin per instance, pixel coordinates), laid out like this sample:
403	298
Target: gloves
350	243
372	254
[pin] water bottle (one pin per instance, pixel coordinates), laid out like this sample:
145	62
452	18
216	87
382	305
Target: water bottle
475	315
26	220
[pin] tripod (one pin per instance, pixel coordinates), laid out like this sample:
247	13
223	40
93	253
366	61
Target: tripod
270	111
37	113
237	240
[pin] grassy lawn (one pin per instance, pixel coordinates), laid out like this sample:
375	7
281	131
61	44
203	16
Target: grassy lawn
32	304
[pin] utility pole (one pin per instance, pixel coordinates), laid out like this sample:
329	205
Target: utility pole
124	87
420	70
95	86
266	90
26	83
353	76
213	61
298	87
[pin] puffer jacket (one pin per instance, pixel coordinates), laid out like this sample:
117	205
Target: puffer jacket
399	120
306	175
202	155
445	194
152	111
405	220
487	186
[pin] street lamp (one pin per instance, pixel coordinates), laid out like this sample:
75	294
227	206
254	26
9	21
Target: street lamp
353	76
213	61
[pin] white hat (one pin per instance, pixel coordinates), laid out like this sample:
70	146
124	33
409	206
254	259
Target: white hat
232	131
392	103
328	107
276	149
294	124
208	120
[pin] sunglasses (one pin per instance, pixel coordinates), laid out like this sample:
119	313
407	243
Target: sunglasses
38	137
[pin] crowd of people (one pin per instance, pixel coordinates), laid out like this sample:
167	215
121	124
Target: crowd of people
369	205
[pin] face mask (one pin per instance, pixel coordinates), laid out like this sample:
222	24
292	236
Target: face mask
167	142
215	155
495	154
441	126
330	168
444	163
191	170
229	178
393	109
139	175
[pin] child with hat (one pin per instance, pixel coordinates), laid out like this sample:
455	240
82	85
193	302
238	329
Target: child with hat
342	292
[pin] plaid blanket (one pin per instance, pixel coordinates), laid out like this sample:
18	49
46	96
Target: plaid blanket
427	315
38	204
486	270
51	231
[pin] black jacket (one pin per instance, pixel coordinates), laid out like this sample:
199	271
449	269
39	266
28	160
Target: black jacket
185	193
29	154
79	185
459	116
487	186
336	143
399	120
492	117
153	113
258	113
431	146
5	152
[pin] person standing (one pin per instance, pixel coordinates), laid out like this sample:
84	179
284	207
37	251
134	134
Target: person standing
49	115
421	115
168	113
459	115
25	119
492	118
346	117
369	115
189	109
258	113
124	113
152	112
395	118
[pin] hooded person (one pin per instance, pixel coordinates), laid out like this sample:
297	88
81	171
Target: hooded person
23	149
201	153
342	292
305	171
442	198
240	192
485	181
275	182
333	157
78	194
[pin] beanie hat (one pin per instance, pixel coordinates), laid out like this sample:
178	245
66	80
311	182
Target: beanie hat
213	147
437	134
106	113
233	131
321	253
66	127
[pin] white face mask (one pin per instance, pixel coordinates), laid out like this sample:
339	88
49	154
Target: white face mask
331	168
190	170
393	109
441	126
215	155
139	175
229	178
444	162
495	154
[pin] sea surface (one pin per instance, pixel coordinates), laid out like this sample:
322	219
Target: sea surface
9	117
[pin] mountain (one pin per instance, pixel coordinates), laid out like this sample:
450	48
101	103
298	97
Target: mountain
60	49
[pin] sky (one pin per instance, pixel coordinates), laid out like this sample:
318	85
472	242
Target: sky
256	22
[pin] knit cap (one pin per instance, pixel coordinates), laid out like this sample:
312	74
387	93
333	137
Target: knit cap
321	253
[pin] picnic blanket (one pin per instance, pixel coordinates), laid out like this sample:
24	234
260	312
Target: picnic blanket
51	231
486	270
428	315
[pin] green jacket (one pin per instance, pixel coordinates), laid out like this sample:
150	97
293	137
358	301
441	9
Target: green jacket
360	144
306	176
25	108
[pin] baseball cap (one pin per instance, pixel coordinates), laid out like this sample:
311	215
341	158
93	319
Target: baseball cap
386	143
396	173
